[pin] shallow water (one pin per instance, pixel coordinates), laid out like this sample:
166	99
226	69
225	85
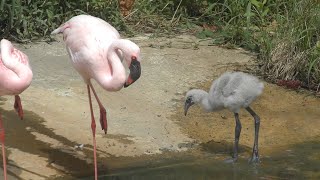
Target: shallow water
301	161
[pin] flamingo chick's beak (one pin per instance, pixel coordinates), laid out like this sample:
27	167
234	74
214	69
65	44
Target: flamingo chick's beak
135	71
187	104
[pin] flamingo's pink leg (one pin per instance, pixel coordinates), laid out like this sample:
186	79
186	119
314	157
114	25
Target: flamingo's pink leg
18	106
3	149
93	127
103	113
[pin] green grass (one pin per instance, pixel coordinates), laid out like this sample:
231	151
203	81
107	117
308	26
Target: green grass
284	33
27	20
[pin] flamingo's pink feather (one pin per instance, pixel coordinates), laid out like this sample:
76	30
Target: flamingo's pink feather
87	41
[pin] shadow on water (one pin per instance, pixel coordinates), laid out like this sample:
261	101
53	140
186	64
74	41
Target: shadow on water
222	147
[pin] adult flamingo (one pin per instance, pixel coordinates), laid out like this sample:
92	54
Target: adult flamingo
95	49
15	77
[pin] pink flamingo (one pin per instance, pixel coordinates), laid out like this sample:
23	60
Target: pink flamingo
96	52
15	77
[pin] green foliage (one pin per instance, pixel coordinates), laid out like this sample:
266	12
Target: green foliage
299	28
24	20
284	33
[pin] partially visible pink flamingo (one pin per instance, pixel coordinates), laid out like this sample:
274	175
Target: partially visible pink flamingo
15	77
96	51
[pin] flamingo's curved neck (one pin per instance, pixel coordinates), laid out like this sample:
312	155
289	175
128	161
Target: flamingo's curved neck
15	60
114	80
116	45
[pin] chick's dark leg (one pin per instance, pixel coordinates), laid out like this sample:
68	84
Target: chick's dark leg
236	137
255	151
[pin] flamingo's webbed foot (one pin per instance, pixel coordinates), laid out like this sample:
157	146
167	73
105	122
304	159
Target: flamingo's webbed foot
17	106
103	119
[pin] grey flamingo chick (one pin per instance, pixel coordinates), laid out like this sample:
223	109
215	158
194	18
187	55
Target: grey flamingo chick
233	91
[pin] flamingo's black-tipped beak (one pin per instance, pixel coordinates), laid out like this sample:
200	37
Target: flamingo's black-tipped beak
135	71
187	104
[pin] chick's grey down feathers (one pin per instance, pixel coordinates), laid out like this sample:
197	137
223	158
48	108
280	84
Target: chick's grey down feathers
232	90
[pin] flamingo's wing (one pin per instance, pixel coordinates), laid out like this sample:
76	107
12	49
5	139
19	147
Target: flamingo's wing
86	36
231	86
